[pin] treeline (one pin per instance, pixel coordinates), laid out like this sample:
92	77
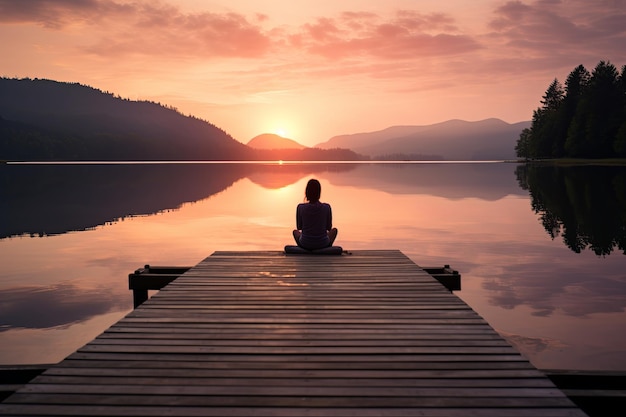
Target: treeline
585	118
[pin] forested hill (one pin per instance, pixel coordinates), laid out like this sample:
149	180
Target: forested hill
49	120
585	118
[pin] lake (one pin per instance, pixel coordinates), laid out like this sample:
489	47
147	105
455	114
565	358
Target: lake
540	248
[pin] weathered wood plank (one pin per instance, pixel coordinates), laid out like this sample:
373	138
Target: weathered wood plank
238	410
81	360
307	400
178	370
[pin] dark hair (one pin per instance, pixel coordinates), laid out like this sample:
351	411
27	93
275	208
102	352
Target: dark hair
313	191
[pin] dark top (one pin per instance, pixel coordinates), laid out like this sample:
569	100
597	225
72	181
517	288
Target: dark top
314	220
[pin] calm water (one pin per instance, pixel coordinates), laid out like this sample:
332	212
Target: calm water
540	249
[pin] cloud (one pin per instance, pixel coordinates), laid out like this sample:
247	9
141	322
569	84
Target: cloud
59	13
172	33
406	35
158	28
571	291
144	28
58	305
562	28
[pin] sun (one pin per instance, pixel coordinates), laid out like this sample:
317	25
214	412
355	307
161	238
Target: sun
281	132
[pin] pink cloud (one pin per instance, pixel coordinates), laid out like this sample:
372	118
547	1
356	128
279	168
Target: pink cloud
163	29
59	13
157	28
323	30
562	28
407	35
145	28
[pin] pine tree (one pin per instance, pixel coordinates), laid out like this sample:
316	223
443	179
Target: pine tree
549	132
619	145
538	140
522	148
605	107
575	85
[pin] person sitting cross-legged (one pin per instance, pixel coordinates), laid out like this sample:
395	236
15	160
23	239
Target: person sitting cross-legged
314	220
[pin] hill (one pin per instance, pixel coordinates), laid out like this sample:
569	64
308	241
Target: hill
451	140
271	147
583	118
272	141
45	120
50	120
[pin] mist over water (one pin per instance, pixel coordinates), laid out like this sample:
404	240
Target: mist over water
540	250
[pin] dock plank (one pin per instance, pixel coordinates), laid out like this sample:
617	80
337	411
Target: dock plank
269	334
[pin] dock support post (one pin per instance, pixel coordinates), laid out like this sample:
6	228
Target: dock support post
139	296
448	277
152	278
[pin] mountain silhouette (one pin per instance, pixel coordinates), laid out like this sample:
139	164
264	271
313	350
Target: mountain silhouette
45	120
453	140
272	141
50	120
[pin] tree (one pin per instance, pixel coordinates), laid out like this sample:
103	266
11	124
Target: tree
548	129
522	148
553	97
597	119
619	145
537	142
608	104
575	85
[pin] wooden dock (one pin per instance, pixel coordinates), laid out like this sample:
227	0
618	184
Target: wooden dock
269	334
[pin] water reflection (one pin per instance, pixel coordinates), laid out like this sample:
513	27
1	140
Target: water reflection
44	200
22	307
586	205
490	181
562	309
53	199
561	287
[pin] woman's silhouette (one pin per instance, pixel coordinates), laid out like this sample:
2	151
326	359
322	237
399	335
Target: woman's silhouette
314	220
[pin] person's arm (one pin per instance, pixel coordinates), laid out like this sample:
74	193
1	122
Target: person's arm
329	220
298	218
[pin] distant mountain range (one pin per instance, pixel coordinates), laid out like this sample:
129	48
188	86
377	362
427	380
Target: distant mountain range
272	141
490	139
50	120
44	120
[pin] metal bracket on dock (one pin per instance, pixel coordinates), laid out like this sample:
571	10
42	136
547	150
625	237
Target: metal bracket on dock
448	277
152	278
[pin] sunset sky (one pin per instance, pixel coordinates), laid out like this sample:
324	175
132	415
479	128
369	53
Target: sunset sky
310	70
